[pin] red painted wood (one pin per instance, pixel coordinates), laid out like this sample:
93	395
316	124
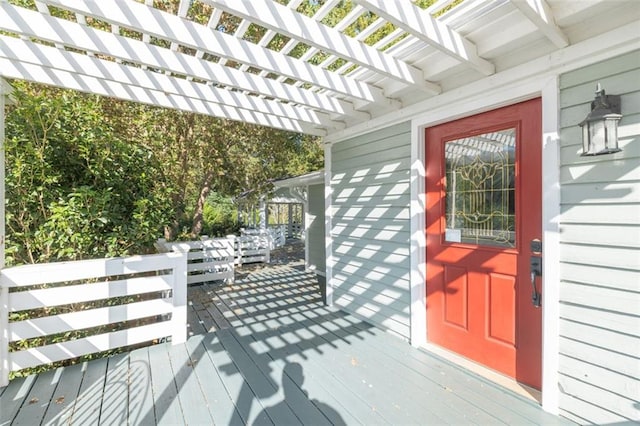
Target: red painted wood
479	297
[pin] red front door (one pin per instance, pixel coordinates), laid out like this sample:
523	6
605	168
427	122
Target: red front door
483	212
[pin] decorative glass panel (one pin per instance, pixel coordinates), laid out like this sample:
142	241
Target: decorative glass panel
480	189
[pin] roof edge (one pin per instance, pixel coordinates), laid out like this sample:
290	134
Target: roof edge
312	178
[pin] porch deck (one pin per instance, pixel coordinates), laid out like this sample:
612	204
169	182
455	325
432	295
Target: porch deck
266	351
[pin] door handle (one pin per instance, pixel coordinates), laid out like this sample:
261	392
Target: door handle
536	271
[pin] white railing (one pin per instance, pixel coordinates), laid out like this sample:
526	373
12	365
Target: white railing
252	248
208	259
293	229
278	235
275	234
142	298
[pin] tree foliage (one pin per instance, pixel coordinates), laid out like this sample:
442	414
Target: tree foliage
92	177
74	189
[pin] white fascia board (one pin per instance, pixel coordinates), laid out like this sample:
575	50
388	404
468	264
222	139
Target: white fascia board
447	106
307	30
540	14
418	241
422	25
69	80
29	23
328	226
313	178
25	51
551	214
166	26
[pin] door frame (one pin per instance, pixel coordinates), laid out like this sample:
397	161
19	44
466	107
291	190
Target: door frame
491	98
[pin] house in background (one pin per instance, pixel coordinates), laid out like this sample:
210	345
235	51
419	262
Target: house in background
459	213
309	188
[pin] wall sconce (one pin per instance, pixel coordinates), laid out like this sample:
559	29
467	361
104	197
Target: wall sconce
600	127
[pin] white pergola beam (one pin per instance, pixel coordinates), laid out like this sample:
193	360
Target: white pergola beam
422	25
151	21
307	30
540	14
22	51
63	79
33	24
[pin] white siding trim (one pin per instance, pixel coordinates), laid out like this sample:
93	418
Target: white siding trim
501	96
550	245
614	43
305	215
327	225
418	326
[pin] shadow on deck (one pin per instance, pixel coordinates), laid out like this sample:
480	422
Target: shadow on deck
266	351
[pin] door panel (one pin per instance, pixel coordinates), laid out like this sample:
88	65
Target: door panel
502	299
483	209
455	296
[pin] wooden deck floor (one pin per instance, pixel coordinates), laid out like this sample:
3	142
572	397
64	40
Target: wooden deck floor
266	351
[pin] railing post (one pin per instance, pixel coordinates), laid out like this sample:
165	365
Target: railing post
237	247
4	336
268	251
179	315
231	261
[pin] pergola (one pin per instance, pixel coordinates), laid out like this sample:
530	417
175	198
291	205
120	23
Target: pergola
278	67
355	72
270	64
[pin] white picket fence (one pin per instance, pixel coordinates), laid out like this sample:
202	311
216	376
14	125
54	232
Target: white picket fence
145	295
207	259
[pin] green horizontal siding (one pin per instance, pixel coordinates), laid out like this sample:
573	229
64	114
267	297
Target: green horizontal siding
315	231
371	226
600	252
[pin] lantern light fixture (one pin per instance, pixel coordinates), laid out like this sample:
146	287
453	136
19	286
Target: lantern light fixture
600	127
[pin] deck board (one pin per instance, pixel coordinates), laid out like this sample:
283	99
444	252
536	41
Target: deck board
140	392
232	380
166	405
221	406
13	397
38	399
479	408
86	409
350	368
192	400
114	409
60	411
264	350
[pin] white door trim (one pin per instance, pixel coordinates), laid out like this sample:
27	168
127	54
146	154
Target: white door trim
545	87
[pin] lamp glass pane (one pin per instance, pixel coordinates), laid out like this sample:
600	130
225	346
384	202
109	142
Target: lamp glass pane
596	136
612	133
585	139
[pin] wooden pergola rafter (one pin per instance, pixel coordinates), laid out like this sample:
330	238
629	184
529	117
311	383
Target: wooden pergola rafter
137	50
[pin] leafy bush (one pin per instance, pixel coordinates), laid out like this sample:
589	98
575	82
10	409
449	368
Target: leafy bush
220	216
74	190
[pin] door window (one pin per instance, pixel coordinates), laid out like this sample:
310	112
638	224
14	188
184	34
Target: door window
480	189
